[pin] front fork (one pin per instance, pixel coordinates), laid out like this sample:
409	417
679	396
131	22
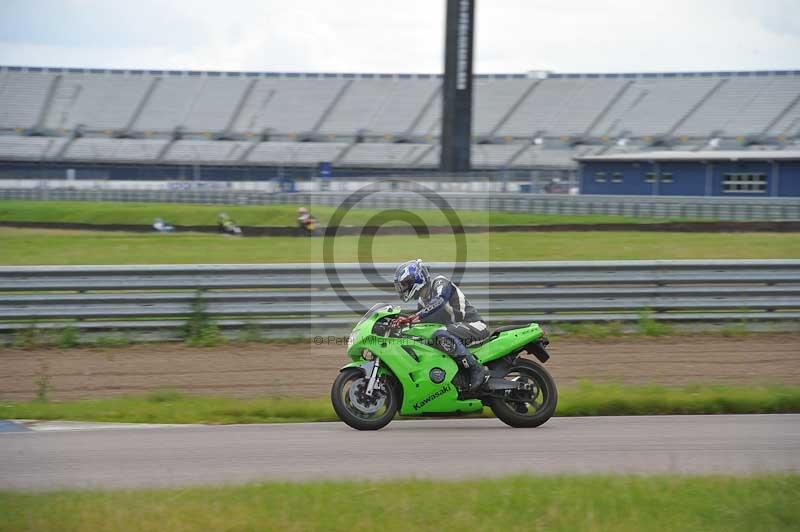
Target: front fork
373	377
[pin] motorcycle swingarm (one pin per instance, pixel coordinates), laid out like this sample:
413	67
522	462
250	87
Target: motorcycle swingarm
498	388
501	385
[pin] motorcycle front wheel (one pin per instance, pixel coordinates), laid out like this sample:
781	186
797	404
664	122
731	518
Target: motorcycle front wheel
356	408
527	409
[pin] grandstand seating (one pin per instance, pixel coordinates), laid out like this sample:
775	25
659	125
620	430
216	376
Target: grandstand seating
769	101
385	120
788	124
730	106
494	155
379	107
408	100
95	103
22	97
652	107
296	153
493	98
548	109
23	147
206	151
538	156
287	106
195	105
382	154
588	105
428	125
102	149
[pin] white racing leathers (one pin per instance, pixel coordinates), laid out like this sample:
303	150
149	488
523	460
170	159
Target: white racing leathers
445	303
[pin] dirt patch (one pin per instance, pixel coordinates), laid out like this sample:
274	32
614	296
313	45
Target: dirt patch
308	370
681	227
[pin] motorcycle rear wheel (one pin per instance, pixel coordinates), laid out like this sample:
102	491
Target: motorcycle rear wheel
359	416
524	414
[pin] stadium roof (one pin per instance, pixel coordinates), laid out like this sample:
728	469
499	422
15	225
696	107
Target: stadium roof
708	155
533	74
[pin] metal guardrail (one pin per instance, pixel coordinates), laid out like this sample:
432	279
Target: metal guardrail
712	208
299	299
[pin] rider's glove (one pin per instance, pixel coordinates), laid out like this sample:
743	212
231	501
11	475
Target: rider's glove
403	321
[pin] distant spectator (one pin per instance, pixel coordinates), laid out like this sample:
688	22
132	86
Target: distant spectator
161	226
226	225
555	186
306	223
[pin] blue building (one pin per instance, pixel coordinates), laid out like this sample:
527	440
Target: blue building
699	173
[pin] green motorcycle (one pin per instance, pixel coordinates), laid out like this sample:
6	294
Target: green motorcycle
403	370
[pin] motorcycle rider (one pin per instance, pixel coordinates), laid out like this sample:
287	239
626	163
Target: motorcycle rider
441	301
306	222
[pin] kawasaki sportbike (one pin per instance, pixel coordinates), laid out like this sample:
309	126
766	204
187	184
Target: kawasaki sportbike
404	370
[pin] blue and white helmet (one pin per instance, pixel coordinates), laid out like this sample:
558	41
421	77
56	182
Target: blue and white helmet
410	277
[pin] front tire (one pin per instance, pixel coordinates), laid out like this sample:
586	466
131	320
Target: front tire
355	408
527	414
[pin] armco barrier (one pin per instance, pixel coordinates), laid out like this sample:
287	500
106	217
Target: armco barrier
299	300
695	207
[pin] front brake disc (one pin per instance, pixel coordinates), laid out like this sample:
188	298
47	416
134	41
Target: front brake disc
361	401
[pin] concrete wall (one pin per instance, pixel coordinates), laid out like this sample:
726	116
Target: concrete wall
688	178
789	179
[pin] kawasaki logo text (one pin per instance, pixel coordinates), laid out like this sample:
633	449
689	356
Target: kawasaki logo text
431	397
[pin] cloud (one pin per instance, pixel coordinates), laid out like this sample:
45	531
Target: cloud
400	35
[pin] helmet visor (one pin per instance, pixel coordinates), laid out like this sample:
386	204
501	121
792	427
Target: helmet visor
404	287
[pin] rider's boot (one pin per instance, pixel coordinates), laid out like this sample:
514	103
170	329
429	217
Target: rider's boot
477	372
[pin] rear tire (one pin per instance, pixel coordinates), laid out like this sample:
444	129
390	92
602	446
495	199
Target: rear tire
511	413
350	413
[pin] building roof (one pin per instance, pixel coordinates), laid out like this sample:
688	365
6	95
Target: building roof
709	155
535	74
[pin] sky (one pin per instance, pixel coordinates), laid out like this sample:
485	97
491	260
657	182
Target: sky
512	36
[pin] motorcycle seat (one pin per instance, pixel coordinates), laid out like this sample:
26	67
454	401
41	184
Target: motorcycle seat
496	333
508	328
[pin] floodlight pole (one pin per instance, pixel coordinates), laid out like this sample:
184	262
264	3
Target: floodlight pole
456	138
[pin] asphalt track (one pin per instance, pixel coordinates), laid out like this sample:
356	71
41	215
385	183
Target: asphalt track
94	456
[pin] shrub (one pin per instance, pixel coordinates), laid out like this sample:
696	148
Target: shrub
29	338
68	338
200	330
651	327
42	382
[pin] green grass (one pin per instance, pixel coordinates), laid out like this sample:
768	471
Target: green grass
173	407
36	246
647	326
524	502
589	399
266	215
586	399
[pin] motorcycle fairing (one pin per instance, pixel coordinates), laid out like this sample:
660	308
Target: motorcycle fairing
421	395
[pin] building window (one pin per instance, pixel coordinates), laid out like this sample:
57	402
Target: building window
650	177
616	177
600	177
744	183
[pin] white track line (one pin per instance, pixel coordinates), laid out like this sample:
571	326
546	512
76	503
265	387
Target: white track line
60	426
